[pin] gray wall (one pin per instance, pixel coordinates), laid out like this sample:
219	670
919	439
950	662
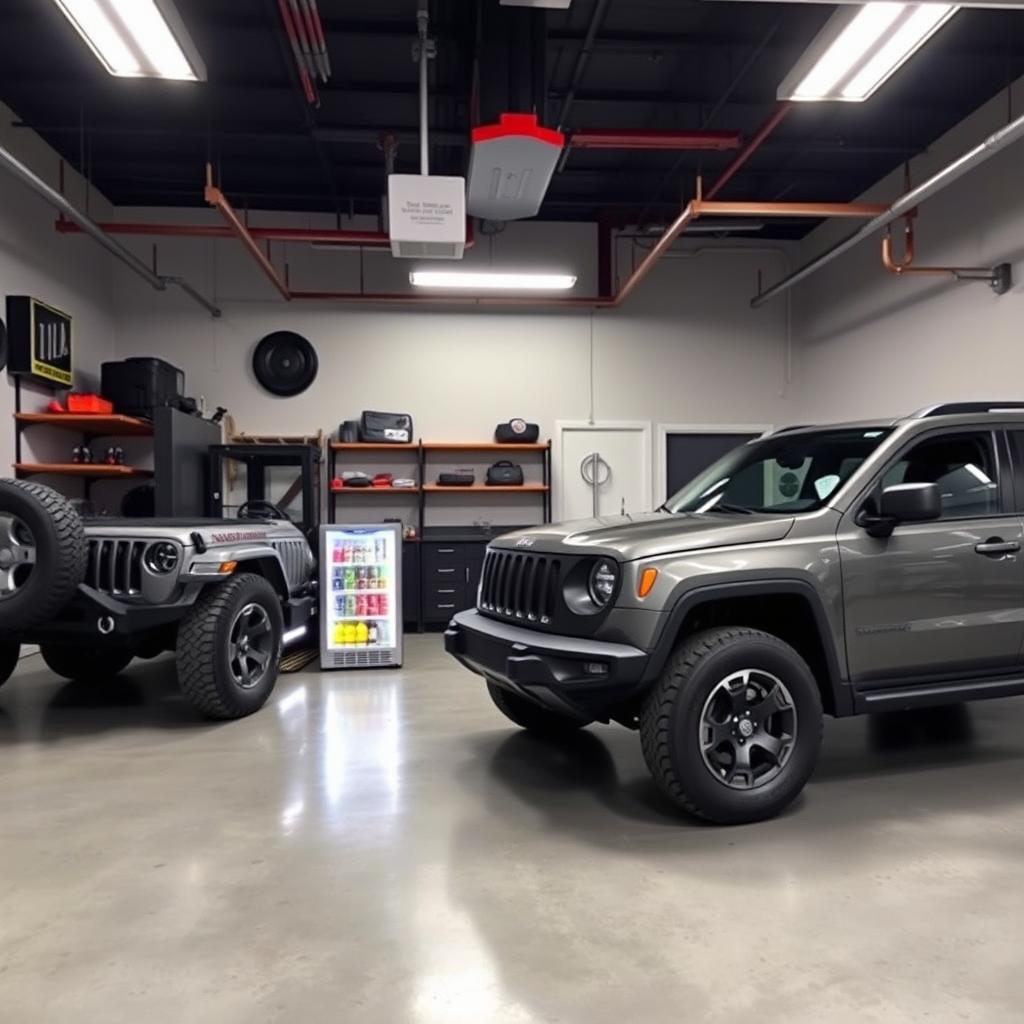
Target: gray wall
873	344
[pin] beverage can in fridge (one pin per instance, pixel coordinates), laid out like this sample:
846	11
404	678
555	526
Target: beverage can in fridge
361	604
382	604
350	605
372	635
362	633
371	604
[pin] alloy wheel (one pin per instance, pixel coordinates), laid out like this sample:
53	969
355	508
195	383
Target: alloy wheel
251	646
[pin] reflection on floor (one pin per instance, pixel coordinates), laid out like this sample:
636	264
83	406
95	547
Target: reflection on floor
383	846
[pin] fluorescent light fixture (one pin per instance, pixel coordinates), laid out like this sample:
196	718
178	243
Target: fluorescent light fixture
859	48
486	280
136	38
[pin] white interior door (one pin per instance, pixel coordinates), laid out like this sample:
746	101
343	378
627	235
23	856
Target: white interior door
601	469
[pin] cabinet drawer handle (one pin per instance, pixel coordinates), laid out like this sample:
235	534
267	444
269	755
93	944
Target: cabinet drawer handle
446	606
446	591
446	551
445	570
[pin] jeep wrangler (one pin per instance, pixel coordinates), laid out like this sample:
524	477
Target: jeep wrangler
96	593
818	570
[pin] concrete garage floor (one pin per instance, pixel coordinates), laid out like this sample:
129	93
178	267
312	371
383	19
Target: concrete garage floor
384	847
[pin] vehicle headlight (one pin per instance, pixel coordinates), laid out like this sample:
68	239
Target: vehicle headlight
603	579
162	557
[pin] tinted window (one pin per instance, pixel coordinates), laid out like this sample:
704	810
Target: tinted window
783	473
963	466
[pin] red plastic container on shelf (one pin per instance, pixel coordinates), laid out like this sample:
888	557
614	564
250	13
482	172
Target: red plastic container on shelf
89	403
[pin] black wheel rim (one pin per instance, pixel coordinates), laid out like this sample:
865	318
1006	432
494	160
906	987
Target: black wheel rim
748	729
251	646
17	555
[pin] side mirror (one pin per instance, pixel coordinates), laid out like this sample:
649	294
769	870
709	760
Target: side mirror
903	503
911	503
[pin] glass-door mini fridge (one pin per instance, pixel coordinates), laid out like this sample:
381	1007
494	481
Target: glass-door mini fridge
360	595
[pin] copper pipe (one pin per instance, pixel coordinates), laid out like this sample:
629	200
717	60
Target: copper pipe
679	225
216	198
293	39
706	208
904	266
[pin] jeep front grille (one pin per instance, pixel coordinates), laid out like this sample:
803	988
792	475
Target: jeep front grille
520	586
295	559
115	566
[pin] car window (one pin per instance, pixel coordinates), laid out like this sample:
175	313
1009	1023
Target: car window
963	466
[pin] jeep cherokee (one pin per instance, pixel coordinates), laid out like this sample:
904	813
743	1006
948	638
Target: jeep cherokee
817	570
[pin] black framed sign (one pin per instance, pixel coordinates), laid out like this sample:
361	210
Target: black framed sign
40	341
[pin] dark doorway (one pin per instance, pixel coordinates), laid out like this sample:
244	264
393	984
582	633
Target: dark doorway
689	454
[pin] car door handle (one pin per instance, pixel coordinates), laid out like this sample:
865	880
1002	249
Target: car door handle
997	546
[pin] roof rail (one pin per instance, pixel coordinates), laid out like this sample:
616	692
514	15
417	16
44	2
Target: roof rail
959	408
795	426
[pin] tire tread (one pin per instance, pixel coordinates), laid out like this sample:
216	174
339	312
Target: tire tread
656	714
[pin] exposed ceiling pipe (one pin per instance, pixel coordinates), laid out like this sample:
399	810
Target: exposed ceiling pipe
370	239
28	177
995	143
423	54
611	138
678	226
308	89
217	199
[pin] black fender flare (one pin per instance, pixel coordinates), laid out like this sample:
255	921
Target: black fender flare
760	587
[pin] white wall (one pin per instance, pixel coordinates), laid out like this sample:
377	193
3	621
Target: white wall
70	272
873	344
685	348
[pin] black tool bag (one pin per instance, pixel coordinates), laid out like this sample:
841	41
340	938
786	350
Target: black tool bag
516	432
141	384
505	474
385	427
456	479
348	432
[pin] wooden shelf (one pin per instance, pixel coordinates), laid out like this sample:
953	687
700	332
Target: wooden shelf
484	488
96	470
359	446
490	446
83	423
376	490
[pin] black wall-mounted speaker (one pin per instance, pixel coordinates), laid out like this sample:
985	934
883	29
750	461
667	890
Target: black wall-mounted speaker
3	345
285	363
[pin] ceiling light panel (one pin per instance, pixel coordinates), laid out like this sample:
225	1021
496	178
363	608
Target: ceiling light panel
859	48
470	280
136	38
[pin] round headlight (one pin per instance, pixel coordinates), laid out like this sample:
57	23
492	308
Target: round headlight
603	578
162	557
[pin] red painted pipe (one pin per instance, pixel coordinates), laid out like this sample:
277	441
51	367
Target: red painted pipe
749	149
293	38
601	138
372	239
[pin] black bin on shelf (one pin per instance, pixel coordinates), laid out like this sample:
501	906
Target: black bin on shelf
141	384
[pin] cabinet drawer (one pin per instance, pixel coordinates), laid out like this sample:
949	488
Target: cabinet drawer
445	593
451	572
441	555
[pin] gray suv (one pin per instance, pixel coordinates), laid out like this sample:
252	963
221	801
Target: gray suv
835	570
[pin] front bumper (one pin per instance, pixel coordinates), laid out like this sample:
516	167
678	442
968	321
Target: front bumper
578	676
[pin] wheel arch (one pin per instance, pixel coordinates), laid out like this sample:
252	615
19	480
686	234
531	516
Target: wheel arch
795	614
269	567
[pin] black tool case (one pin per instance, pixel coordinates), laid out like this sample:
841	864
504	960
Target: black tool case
141	384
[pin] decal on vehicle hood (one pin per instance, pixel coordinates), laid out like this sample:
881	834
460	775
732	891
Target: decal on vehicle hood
238	535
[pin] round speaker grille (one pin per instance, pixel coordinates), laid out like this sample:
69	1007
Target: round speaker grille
285	363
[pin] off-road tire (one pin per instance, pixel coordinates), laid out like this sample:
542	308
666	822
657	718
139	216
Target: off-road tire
9	654
61	553
530	716
204	670
671	714
85	662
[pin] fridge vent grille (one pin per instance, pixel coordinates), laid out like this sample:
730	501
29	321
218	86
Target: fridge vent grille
362	658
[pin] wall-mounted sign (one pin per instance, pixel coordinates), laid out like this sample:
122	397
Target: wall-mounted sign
39	340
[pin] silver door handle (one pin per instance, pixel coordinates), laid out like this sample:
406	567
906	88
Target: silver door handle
444	572
995	546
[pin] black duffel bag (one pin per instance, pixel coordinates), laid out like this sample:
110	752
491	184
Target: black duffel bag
385	427
505	474
516	431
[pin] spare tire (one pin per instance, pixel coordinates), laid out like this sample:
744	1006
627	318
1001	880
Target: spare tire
43	553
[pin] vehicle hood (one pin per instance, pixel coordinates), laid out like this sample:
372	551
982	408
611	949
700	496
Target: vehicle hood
650	535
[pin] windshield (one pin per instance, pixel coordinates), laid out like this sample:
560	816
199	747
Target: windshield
783	473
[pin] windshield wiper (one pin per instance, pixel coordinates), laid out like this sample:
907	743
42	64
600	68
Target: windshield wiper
737	509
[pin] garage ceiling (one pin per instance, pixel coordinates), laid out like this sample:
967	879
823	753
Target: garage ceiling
656	64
